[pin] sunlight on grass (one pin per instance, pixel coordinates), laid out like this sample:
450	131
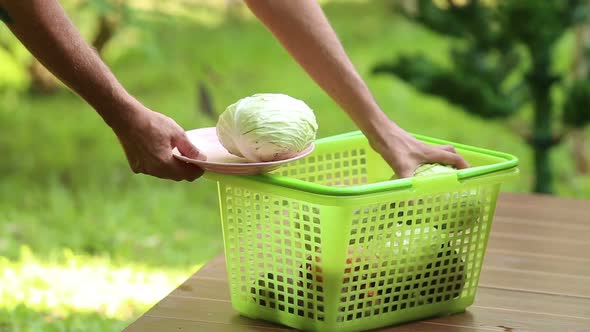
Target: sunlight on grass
76	283
206	12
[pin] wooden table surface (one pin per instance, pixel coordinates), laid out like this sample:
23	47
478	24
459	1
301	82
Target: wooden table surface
535	277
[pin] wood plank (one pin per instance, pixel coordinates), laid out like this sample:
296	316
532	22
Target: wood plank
554	240
511	244
543	214
221	312
527	199
203	310
207	288
163	324
215	268
543	230
566	306
535	263
539	282
548	256
498	251
514	321
204	288
543	222
545	208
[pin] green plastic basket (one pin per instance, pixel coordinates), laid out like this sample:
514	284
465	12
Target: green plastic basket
331	243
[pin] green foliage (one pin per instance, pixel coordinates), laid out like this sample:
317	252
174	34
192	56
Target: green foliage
545	22
124	11
462	21
482	64
500	63
473	92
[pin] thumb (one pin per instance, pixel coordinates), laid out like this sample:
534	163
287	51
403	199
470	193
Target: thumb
405	173
186	148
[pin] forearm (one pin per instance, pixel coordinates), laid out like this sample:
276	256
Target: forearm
45	30
304	31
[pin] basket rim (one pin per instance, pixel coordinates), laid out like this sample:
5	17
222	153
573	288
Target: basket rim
510	162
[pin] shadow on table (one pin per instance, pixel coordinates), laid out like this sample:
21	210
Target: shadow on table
238	319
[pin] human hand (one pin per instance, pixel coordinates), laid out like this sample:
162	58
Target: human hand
148	139
405	154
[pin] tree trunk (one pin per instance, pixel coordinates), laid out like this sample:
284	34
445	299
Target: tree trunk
540	81
543	173
580	71
205	100
579	151
107	26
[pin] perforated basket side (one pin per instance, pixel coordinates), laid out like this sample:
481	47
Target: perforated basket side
344	165
273	248
419	253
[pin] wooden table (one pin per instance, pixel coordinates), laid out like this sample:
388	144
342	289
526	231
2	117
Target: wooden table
536	277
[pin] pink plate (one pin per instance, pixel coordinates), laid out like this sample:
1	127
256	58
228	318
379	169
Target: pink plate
219	160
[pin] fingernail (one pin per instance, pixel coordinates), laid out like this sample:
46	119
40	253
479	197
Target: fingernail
201	156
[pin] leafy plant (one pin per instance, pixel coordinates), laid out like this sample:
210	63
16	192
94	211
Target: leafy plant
501	62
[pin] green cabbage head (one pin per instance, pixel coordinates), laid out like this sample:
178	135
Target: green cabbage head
430	169
267	127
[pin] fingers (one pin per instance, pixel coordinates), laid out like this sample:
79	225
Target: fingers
184	171
448	148
172	169
186	148
181	170
443	154
162	164
447	155
148	146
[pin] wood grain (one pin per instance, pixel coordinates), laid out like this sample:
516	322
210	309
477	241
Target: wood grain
215	269
567	306
543	208
160	324
220	312
546	283
549	249
522	301
535	277
540	229
536	263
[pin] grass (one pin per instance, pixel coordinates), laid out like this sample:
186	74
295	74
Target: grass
72	292
70	209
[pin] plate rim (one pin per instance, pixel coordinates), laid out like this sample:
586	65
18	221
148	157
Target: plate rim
176	153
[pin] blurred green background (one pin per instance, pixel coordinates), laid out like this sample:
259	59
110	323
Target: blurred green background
85	245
